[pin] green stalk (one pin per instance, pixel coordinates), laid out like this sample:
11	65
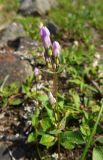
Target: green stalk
92	134
56	108
38	152
59	147
37	148
57	111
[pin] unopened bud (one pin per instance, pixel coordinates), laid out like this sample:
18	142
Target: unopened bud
52	100
36	71
97	55
76	43
56	49
45	36
50	52
54	66
40	25
49	65
57	61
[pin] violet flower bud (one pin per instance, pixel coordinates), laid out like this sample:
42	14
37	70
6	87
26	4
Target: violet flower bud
44	32
56	49
36	71
46	42
45	36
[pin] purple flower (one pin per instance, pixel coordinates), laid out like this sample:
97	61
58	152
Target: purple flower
45	36
36	71
46	42
56	49
44	32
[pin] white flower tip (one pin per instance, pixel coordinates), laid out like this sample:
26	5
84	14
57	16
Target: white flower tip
52	100
40	25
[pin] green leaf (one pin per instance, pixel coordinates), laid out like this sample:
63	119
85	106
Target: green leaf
78	82
32	137
47	140
67	145
43	99
50	114
29	79
100	139
92	88
62	59
98	153
84	128
45	123
15	101
62	124
76	98
70	138
10	90
55	132
61	104
25	89
35	118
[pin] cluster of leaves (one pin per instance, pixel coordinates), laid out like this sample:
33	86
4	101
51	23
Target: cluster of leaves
82	97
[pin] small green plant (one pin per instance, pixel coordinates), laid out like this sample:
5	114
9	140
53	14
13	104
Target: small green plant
9	95
55	110
51	113
50	128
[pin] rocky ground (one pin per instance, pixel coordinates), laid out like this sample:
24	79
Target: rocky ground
17	63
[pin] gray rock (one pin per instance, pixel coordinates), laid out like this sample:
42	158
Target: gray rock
25	48
31	7
4	154
12	32
26	43
17	70
53	28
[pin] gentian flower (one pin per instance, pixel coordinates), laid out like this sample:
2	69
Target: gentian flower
56	48
36	71
44	32
45	36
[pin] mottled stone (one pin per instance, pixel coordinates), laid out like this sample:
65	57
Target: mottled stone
26	43
31	7
4	154
24	46
53	28
12	32
27	49
16	69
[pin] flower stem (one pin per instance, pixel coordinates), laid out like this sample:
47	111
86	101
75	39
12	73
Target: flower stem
37	147
92	134
59	147
38	152
56	109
